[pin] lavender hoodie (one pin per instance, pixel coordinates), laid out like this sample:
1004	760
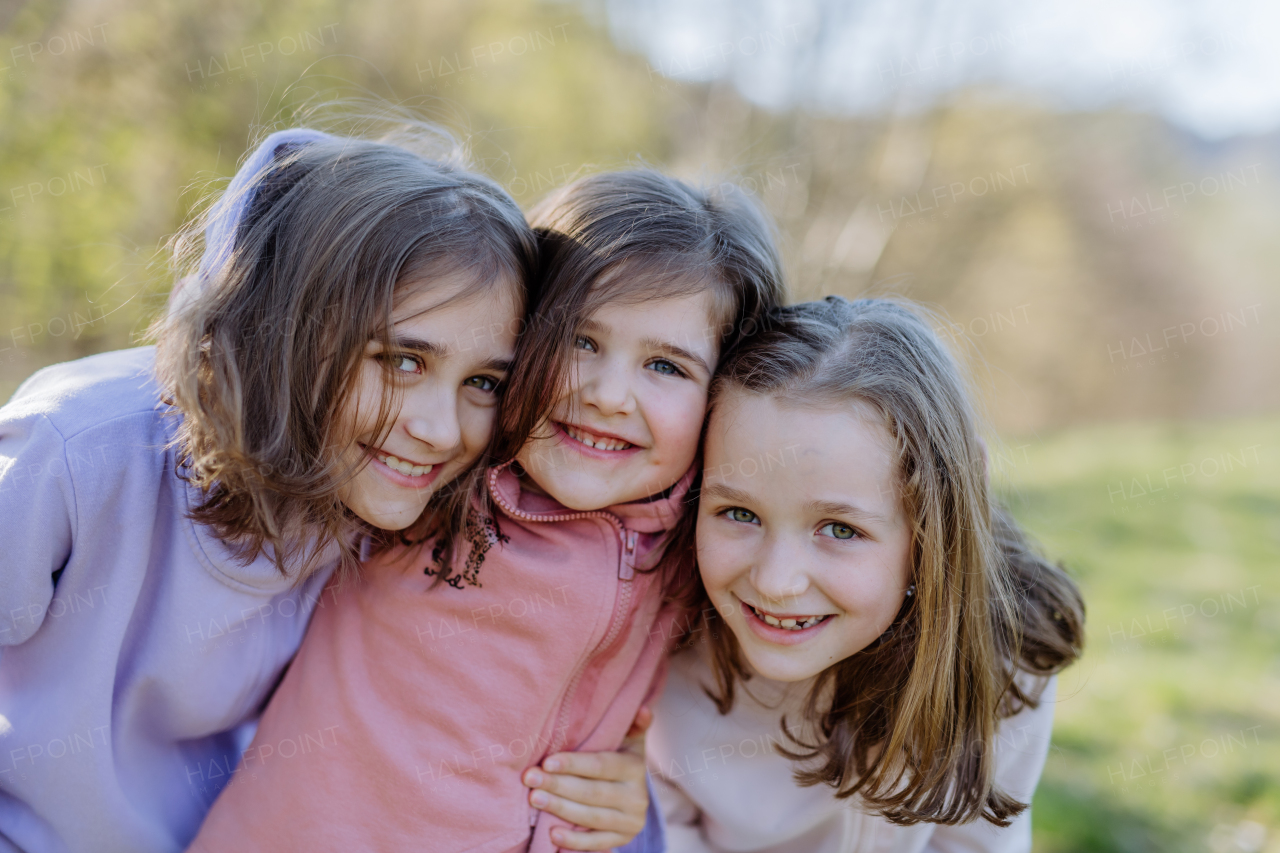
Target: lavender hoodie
133	647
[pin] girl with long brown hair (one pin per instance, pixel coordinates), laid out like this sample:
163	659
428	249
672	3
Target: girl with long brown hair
450	669
872	664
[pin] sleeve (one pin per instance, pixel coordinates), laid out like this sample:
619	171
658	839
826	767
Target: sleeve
1022	745
37	511
681	818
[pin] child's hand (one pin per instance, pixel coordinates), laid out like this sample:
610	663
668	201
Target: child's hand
604	792
640	725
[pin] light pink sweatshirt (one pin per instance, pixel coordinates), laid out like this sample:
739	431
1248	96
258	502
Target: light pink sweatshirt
410	712
723	788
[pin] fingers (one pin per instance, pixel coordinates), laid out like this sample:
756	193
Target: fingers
619	826
571	839
590	792
601	791
608	766
644	719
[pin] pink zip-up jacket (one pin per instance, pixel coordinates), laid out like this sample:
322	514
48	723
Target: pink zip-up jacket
411	712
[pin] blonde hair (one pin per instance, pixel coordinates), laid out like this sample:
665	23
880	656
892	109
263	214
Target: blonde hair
908	723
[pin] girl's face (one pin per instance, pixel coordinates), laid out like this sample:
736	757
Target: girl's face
802	541
447	361
627	427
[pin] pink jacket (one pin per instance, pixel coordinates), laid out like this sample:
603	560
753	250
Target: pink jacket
410	712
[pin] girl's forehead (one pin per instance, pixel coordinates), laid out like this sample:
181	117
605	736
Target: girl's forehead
656	277
426	291
788	455
856	411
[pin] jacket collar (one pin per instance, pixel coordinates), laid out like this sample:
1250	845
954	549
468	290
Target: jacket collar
652	516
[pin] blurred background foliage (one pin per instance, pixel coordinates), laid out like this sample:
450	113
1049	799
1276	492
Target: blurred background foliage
1111	273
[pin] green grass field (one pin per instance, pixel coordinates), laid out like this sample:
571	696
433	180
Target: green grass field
1165	736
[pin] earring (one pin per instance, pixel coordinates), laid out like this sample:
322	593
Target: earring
911	590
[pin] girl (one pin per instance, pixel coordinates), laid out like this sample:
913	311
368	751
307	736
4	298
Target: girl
885	682
170	514
421	696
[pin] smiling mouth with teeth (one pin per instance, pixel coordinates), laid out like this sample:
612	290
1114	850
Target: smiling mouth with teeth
789	623
400	466
599	442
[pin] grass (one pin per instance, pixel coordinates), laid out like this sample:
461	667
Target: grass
1165	736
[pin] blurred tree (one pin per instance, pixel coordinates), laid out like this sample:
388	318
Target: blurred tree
1037	231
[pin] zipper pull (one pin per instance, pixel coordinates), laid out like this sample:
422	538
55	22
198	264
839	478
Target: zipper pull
627	560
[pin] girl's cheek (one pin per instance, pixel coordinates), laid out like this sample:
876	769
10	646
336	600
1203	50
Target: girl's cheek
477	428
717	557
874	599
569	401
361	410
677	425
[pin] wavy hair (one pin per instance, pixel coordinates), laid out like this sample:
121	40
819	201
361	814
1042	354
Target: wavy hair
282	284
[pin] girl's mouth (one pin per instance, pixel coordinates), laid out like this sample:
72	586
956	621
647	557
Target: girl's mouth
788	623
594	440
785	630
405	472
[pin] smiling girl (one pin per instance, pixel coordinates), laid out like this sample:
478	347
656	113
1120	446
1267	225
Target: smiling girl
885	681
445	673
170	514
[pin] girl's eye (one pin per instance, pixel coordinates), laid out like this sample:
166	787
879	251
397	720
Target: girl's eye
585	343
836	530
742	516
665	367
484	383
404	363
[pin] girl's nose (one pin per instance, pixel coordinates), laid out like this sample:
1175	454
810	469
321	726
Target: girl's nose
432	418
607	388
779	577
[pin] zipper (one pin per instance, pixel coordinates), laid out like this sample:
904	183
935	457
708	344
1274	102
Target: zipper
627	561
622	602
626	564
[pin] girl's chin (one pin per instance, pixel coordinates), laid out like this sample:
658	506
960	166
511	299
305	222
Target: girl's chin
385	514
389	520
785	671
585	492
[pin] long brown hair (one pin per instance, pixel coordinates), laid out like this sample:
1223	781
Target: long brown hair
259	351
908	723
631	236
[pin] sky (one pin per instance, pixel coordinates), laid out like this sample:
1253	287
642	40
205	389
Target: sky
1211	67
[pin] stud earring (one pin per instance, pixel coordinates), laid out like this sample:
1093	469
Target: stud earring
911	590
